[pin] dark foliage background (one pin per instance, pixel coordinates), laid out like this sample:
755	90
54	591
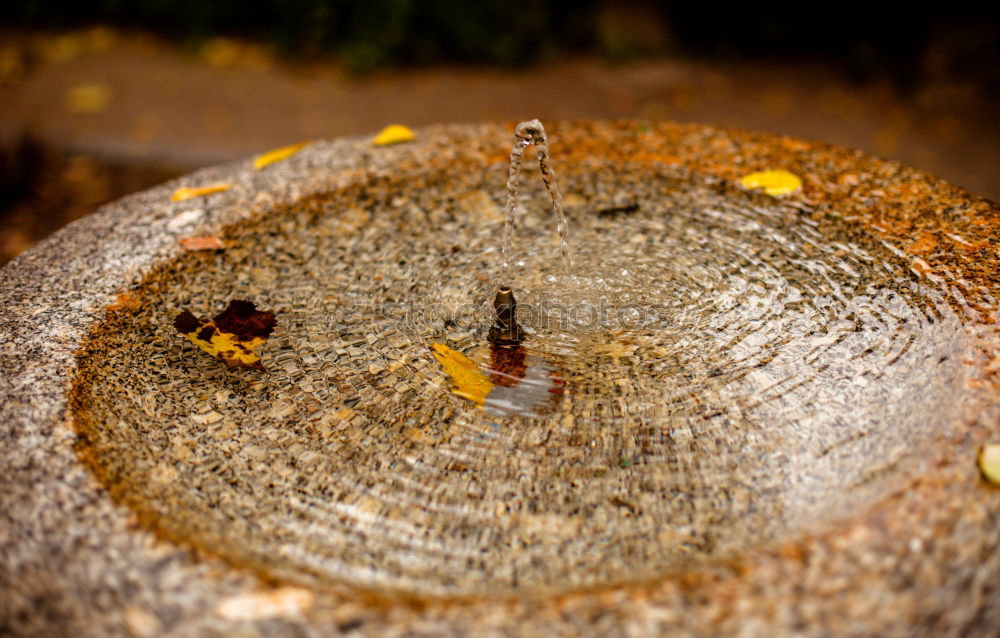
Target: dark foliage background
100	98
866	37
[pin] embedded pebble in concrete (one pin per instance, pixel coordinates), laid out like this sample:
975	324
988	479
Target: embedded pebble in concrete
764	412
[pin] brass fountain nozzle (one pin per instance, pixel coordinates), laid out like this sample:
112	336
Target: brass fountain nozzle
505	331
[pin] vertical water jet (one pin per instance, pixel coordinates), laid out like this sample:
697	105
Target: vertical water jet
505	330
528	133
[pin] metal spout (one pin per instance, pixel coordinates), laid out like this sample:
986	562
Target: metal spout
505	331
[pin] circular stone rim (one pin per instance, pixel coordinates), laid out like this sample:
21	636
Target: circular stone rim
52	295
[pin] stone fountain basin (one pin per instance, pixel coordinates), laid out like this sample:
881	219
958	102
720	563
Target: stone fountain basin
132	507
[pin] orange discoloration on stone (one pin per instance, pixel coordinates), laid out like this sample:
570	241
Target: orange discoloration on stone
794	144
793	551
968	245
123	301
656	158
921	266
848	179
925	244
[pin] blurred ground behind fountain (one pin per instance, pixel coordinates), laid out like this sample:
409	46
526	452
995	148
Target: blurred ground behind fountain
97	100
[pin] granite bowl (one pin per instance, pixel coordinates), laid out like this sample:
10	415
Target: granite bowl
138	504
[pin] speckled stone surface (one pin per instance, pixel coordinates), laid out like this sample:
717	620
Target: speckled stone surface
922	560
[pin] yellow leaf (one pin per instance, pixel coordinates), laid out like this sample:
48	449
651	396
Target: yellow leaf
989	462
394	134
776	182
88	99
469	382
233	336
278	154
187	192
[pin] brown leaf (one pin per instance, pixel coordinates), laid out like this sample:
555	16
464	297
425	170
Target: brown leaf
202	243
243	319
233	336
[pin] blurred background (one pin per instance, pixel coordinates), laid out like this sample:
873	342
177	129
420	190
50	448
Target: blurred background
102	98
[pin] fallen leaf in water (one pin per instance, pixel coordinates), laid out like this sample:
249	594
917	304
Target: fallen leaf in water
233	335
470	383
187	192
278	155
394	134
777	182
202	243
989	462
88	99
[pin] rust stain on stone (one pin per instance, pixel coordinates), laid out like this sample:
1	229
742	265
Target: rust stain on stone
925	244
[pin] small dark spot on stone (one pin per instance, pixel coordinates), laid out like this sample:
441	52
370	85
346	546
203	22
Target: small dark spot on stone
617	211
622	503
353	401
450	323
350	625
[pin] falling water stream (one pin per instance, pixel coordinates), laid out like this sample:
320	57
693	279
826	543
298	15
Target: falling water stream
531	132
717	375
